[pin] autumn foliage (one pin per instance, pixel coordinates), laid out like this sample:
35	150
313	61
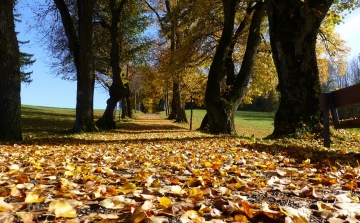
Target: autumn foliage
152	170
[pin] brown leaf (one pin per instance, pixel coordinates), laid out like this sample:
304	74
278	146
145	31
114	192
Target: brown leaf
136	217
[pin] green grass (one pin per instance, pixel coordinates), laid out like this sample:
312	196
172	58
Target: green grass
247	123
40	122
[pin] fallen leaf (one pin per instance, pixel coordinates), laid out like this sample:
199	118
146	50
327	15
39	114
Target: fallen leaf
62	209
4	207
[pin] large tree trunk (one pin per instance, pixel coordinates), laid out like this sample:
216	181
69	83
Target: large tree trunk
294	26
81	47
117	89
85	75
10	104
218	110
221	111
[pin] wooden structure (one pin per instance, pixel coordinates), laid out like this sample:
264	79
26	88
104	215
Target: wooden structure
333	100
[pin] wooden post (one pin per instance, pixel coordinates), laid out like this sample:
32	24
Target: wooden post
191	111
325	110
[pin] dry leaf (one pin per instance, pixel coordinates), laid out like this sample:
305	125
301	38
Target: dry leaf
33	197
165	201
62	209
4	207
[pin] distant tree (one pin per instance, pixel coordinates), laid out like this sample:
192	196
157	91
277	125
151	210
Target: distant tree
25	61
123	22
351	77
353	70
331	81
10	104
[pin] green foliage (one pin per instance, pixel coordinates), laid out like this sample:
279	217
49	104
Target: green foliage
25	60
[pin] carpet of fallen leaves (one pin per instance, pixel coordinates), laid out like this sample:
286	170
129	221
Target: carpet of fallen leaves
154	171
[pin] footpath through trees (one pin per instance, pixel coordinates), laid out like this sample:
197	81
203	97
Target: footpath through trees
153	170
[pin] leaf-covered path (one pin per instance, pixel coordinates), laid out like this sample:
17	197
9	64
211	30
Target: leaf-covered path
151	170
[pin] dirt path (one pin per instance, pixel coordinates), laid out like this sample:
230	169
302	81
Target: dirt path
153	126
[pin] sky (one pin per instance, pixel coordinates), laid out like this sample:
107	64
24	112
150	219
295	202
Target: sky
47	89
51	91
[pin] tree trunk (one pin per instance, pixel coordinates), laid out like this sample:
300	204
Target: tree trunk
85	74
177	110
81	47
117	89
218	110
124	109
10	104
221	107
241	82
127	99
294	26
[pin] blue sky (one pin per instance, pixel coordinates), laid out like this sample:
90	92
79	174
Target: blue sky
46	88
49	90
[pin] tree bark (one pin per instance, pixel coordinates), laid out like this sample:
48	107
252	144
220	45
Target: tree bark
81	47
294	26
117	89
10	104
128	101
86	76
220	106
124	108
218	110
177	110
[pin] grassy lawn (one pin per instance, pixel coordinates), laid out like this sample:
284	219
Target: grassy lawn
42	122
47	122
248	123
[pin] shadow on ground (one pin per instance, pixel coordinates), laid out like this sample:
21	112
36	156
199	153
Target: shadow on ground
154	130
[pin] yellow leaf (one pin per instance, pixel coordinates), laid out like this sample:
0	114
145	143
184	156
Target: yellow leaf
165	202
127	188
68	173
62	209
33	197
196	193
307	161
241	218
156	183
293	186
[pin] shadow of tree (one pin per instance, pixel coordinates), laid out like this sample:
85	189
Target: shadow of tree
159	128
